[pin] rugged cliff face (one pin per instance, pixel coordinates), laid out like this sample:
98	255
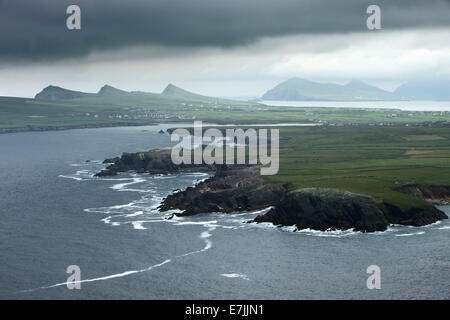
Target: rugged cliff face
241	188
234	188
431	193
153	161
324	209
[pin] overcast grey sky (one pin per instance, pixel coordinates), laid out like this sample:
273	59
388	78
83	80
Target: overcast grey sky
218	47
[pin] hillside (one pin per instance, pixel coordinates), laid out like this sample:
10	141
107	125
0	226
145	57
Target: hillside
175	91
110	95
58	93
57	108
432	89
107	90
297	89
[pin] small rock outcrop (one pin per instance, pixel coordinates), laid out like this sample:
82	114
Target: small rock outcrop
431	193
153	161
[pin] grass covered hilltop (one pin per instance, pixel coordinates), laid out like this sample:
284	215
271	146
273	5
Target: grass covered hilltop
369	160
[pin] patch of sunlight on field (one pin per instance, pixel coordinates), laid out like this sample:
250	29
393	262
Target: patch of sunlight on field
423	137
418	152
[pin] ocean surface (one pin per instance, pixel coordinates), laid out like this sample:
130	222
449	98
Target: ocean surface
402	105
54	214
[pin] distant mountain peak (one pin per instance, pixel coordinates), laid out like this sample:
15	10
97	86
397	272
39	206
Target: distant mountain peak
426	89
52	92
171	95
298	80
361	85
297	89
355	82
108	90
173	90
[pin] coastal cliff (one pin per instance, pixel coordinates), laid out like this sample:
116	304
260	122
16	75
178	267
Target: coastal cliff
324	209
153	161
431	193
232	188
241	188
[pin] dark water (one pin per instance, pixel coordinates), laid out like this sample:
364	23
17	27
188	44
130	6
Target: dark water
54	214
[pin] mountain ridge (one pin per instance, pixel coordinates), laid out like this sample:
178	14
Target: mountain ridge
298	89
108	94
429	89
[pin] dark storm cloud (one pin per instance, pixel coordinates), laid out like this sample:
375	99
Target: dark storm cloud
36	29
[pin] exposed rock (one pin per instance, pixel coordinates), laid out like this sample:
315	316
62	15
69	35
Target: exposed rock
241	188
112	160
234	188
323	209
431	193
153	161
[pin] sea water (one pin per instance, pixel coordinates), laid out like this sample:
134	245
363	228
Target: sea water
54	213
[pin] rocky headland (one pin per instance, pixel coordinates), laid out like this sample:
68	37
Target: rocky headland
153	161
325	209
241	188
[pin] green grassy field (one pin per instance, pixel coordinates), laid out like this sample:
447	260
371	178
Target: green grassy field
147	109
368	160
360	150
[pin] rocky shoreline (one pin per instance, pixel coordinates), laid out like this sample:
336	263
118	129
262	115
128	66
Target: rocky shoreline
241	188
153	162
325	209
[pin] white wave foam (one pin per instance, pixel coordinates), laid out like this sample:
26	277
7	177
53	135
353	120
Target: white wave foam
307	231
263	225
117	275
208	243
329	233
203	223
121	186
409	234
138	225
289	228
71	177
235	275
205	235
145	203
197	174
137	213
262	211
77	164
